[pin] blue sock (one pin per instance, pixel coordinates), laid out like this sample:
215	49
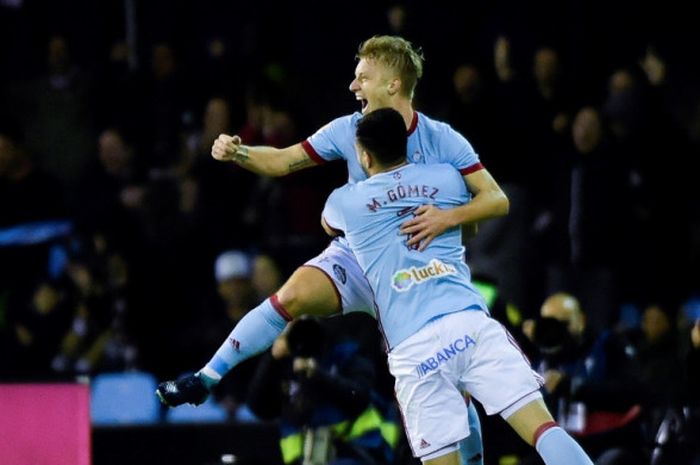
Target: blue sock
256	331
471	449
556	447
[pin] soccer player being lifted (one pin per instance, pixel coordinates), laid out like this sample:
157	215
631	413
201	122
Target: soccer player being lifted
386	75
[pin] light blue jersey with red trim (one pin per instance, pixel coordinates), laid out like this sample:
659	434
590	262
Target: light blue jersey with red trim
429	142
410	287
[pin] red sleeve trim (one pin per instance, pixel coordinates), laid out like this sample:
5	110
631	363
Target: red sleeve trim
414	123
542	428
280	308
312	153
471	169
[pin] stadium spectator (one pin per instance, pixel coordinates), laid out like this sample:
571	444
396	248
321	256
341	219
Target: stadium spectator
58	109
579	364
27	192
267	276
600	221
38	320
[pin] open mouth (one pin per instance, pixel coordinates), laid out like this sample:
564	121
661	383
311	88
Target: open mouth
363	102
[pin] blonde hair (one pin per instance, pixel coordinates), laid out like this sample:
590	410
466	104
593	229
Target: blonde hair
398	54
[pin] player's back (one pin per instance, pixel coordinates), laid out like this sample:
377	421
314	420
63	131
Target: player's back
411	287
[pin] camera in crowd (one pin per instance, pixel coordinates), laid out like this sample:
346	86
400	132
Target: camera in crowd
306	337
553	339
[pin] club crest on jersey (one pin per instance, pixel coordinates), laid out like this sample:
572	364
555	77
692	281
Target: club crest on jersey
340	273
416	156
403	280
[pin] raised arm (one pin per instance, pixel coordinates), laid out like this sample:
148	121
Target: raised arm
488	201
267	161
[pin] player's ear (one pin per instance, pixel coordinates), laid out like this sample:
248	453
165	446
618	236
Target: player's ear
366	158
394	86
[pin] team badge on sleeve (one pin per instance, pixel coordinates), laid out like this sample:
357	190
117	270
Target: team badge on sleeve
340	273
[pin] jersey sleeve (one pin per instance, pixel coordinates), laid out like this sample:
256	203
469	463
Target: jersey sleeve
333	211
458	152
325	144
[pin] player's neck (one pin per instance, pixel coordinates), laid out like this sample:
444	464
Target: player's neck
405	107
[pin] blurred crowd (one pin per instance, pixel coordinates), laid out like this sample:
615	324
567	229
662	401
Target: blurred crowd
124	245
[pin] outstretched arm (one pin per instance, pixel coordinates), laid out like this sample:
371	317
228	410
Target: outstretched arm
489	201
267	161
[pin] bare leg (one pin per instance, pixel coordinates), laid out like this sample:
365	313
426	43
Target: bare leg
309	291
448	459
528	419
535	425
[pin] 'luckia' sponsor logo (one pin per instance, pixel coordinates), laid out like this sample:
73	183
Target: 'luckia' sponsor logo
404	279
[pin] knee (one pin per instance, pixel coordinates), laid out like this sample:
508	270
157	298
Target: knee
292	298
306	293
296	295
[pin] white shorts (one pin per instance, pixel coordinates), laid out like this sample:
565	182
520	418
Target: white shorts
463	351
340	265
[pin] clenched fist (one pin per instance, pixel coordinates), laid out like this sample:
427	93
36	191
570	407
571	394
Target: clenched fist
225	147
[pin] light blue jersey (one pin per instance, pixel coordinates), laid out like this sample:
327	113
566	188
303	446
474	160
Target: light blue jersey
410	287
429	142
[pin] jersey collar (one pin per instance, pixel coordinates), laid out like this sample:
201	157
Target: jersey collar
414	124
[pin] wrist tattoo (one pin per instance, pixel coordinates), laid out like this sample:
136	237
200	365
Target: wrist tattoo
241	155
